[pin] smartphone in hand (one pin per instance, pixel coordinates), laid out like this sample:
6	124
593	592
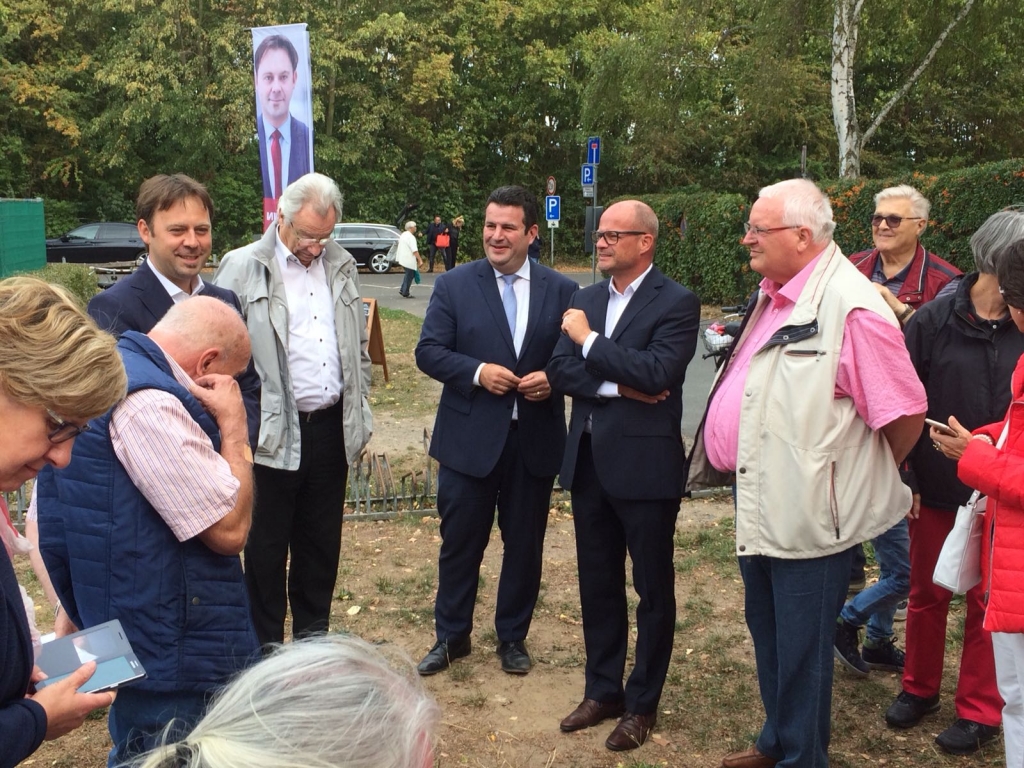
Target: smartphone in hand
943	428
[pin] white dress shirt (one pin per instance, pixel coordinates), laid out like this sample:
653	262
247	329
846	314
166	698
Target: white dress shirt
314	363
521	287
177	295
617	303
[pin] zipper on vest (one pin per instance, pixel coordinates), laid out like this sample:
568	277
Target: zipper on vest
805	352
833	502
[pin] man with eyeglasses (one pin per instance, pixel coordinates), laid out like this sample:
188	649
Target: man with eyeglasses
623	354
300	298
808	417
146	522
904	273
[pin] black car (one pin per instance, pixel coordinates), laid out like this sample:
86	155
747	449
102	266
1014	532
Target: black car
372	245
97	243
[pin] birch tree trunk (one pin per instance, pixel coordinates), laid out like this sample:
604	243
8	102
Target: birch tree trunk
844	104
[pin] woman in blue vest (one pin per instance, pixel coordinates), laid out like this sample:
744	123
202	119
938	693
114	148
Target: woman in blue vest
57	371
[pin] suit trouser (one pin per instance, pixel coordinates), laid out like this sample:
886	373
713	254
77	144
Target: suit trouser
431	251
466	506
977	696
298	511
606	528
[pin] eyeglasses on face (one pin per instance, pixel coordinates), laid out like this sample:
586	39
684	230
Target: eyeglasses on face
892	220
612	236
305	241
750	229
64	431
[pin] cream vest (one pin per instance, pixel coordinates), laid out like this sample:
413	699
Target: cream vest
812	478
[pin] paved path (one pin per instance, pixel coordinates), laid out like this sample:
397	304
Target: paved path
384	288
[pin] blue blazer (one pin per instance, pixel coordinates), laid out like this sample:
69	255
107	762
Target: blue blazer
298	157
138	301
465	326
637	447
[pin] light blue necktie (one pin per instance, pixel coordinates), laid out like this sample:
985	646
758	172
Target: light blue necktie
508	301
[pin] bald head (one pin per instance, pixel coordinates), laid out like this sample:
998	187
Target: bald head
633	226
204	335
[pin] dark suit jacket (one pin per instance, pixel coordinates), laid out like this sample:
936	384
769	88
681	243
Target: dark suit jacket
638	448
298	157
464	326
138	301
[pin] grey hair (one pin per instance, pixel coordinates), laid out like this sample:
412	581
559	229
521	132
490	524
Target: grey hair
919	204
803	205
410	226
201	322
330	701
315	190
990	242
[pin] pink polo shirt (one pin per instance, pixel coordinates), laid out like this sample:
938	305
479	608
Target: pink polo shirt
874	369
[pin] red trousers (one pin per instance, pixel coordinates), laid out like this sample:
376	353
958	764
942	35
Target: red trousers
977	697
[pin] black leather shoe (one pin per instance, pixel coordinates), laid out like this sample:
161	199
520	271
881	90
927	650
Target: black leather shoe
443	654
514	658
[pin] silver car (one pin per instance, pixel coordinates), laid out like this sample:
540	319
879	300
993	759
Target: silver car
372	245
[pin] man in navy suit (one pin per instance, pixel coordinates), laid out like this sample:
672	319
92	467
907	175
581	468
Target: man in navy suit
623	358
284	141
489	331
174	219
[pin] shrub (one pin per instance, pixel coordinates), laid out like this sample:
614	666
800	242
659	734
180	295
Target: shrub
77	278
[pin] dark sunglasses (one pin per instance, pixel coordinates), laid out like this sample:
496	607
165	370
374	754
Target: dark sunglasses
64	431
892	220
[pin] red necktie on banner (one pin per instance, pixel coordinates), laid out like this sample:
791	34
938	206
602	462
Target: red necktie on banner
275	158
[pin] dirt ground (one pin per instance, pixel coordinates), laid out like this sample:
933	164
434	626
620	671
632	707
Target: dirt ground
385	590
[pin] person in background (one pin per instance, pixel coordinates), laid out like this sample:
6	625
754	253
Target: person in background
810	415
906	276
434	228
408	256
58	371
964	347
455	231
535	248
331	701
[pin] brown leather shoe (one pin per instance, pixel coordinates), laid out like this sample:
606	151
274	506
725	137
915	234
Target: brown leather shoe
748	758
591	712
631	732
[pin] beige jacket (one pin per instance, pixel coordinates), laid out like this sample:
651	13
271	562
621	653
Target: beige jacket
812	478
252	272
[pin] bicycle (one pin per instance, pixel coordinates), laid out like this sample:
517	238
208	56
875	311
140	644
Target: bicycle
718	335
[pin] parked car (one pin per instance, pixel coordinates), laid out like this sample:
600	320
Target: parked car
372	245
97	243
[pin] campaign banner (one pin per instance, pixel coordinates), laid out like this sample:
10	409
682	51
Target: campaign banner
284	109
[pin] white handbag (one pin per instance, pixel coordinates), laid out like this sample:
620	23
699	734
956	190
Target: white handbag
958	568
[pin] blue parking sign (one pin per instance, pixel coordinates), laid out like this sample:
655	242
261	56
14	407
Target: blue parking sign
587	174
553	207
594	150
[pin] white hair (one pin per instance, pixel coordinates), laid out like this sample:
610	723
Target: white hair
330	701
919	204
313	189
803	205
410	226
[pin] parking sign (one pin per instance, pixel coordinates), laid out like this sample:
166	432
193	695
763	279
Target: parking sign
553	207
587	174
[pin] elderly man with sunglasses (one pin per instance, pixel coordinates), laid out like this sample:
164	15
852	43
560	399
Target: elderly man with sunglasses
299	292
904	273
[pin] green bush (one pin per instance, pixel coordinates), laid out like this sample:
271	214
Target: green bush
706	255
77	278
60	216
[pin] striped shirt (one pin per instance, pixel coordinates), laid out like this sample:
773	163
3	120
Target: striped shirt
171	460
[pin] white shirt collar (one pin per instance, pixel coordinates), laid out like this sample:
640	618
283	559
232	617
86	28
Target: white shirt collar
632	287
523	272
285	129
176	293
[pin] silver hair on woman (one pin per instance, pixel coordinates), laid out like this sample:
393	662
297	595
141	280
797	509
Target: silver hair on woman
333	701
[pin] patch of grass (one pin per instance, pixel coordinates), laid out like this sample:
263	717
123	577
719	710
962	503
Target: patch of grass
489	638
474	700
712	545
409	390
460	671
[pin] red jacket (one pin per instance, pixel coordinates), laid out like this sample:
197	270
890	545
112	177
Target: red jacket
927	276
999	474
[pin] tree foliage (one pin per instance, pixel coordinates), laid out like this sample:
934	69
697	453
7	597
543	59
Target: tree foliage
437	103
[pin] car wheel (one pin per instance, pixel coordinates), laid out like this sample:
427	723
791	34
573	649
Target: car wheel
379	263
141	257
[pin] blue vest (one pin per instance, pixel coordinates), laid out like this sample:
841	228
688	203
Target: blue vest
184	607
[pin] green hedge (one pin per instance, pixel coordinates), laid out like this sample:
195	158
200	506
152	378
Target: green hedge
707	257
77	278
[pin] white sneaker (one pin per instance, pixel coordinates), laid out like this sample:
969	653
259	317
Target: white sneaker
901	612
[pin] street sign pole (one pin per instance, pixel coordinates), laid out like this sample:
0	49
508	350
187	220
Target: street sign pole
594	158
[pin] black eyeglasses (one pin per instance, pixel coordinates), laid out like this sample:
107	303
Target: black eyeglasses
750	229
612	236
64	431
892	220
